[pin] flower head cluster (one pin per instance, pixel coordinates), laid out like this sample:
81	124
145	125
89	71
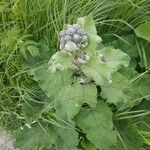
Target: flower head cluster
73	38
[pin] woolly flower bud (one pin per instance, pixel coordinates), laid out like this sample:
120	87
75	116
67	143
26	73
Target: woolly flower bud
75	36
83	58
70	46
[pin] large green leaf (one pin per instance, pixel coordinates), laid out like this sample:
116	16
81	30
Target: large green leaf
133	47
87	145
41	54
38	137
98	126
94	42
116	92
60	61
128	72
68	139
51	83
101	71
143	31
87	23
71	97
34	103
115	58
32	110
126	43
98	71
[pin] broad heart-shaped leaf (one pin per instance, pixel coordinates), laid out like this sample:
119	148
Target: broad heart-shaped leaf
88	25
128	72
93	43
68	138
115	58
143	31
41	56
51	83
60	61
126	43
116	92
32	110
34	103
86	144
100	72
38	137
70	99
98	126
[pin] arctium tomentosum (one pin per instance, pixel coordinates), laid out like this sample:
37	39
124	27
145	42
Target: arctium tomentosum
73	38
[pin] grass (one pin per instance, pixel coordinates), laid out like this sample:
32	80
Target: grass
41	20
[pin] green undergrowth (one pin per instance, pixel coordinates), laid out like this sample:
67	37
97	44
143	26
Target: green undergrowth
33	100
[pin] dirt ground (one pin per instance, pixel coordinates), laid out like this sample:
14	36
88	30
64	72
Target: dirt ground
6	141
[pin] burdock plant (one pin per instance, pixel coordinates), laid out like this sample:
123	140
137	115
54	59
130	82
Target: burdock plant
77	114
